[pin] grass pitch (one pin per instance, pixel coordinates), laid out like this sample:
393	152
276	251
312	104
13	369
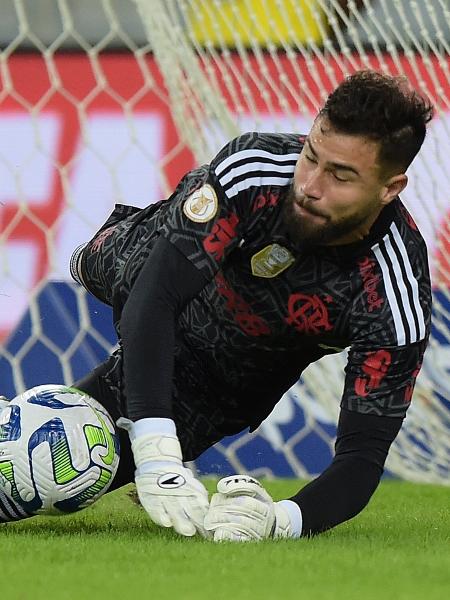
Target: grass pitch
398	548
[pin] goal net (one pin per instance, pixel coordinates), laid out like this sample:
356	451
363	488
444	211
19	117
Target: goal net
109	101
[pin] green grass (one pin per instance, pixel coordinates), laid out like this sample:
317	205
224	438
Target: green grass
398	548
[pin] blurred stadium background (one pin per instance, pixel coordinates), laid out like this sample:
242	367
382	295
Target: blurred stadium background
106	101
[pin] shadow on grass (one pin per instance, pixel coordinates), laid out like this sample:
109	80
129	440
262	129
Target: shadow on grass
115	524
66	527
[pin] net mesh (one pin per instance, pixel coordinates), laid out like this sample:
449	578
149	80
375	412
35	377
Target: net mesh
85	129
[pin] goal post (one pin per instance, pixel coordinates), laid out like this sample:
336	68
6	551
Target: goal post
117	106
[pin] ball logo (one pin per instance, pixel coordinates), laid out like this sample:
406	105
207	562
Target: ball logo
170	481
201	206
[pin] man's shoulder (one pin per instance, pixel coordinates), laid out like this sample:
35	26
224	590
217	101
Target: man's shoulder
278	143
253	145
396	227
406	224
404	239
392	302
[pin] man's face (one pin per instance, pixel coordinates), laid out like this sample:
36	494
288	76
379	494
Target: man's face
338	188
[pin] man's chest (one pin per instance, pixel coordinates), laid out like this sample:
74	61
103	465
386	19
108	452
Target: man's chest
269	291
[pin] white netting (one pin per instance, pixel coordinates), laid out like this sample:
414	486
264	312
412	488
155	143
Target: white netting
286	78
85	122
84	129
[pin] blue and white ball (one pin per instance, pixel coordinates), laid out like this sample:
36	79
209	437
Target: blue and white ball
59	450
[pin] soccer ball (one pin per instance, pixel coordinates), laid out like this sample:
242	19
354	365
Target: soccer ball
59	450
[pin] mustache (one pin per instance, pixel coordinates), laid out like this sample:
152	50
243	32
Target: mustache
308	206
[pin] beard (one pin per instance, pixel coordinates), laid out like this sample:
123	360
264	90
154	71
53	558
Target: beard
314	232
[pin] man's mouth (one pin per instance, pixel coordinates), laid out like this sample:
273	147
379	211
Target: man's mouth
306	209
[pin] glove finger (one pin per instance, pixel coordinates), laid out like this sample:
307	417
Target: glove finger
197	511
166	515
152	504
217	518
243	485
237	523
179	518
197	514
243	515
243	506
157	513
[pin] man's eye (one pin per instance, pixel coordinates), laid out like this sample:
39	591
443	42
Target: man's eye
310	158
341	179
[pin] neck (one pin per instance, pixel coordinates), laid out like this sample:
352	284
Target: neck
359	233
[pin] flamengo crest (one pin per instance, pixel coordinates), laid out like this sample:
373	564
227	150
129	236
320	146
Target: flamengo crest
308	314
271	261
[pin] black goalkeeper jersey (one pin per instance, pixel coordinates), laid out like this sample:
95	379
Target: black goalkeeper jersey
266	307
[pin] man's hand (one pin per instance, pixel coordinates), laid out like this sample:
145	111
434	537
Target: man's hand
167	490
172	496
242	510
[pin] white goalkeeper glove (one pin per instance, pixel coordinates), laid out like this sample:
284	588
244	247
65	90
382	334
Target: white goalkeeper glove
167	490
242	510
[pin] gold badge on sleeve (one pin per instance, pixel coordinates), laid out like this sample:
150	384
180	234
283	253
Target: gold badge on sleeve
271	261
201	206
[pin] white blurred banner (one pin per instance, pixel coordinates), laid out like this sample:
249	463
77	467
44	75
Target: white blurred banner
62	170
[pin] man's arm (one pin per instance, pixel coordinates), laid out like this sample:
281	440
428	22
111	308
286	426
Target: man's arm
346	486
242	510
202	225
378	389
164	286
204	222
167	490
377	392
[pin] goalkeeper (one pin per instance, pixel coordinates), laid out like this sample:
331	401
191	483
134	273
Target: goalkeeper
283	249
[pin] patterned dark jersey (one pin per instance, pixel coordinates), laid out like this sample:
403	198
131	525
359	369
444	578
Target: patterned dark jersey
270	307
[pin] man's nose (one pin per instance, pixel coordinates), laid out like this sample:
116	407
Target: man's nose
313	186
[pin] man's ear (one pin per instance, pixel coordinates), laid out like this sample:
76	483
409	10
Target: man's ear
393	187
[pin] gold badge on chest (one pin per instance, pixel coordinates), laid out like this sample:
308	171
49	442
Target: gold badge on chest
271	261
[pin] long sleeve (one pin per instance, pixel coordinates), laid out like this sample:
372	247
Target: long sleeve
346	486
165	284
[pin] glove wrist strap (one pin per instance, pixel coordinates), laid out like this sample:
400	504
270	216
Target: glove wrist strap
153	439
151	425
161	448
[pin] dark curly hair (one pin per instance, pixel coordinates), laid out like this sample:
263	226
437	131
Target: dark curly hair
384	109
